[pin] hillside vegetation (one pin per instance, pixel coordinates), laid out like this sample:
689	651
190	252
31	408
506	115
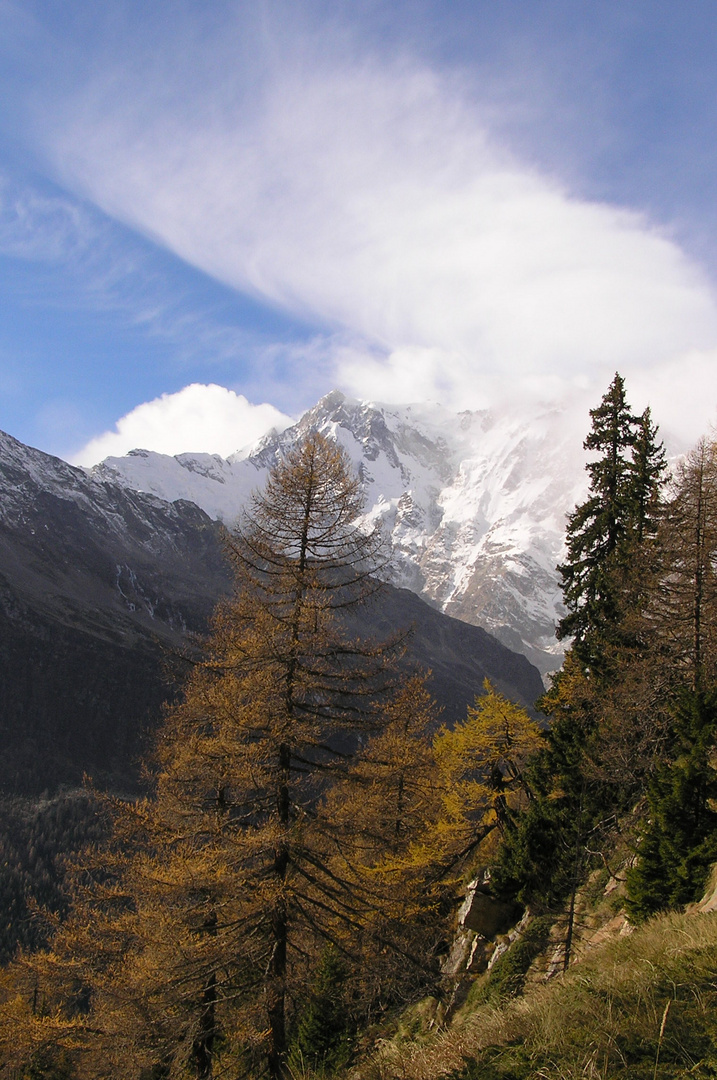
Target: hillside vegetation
622	791
643	1007
283	901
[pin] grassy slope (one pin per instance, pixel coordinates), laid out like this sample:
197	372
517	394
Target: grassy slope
604	1018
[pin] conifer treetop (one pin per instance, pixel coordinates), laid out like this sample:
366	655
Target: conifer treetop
304	525
620	512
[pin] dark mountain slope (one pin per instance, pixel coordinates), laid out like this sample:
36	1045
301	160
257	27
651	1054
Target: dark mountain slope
460	656
99	586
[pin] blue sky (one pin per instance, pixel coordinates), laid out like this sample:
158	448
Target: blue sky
469	202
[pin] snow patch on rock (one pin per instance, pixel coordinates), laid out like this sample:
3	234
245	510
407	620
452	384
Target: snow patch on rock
474	503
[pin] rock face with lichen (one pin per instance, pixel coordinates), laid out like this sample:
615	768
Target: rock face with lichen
483	923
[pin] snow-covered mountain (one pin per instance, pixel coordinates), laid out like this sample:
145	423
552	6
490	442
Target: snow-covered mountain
99	586
474	502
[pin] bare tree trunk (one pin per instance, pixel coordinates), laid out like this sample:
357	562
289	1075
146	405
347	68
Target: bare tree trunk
203	1046
276	991
276	988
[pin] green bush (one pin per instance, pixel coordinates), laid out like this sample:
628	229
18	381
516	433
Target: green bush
321	1041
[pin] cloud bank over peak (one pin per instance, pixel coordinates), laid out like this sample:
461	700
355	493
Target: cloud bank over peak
208	419
370	198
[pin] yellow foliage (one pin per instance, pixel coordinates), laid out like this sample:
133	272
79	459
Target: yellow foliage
219	890
277	821
480	764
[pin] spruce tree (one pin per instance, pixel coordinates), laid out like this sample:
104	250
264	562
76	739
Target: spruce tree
677	835
321	1042
647	480
607	576
678	841
598	528
542	853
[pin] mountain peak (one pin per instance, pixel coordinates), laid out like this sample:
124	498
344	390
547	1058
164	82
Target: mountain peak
474	502
335	399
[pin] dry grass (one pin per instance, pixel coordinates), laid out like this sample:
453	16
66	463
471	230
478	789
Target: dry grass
605	1018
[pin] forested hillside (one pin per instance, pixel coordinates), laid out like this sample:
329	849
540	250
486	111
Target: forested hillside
633	711
101	589
283	895
618	825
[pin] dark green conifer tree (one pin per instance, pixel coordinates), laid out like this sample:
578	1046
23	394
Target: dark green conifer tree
543	855
544	852
649	472
679	838
598	527
321	1041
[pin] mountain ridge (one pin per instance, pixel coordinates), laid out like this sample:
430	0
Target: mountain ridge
474	503
100	586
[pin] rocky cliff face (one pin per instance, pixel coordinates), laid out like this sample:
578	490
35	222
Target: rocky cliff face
474	503
100	585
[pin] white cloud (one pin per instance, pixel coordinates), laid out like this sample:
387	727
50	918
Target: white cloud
210	419
371	198
681	393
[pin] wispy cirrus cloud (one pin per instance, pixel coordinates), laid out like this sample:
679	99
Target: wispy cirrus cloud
90	264
371	197
39	227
